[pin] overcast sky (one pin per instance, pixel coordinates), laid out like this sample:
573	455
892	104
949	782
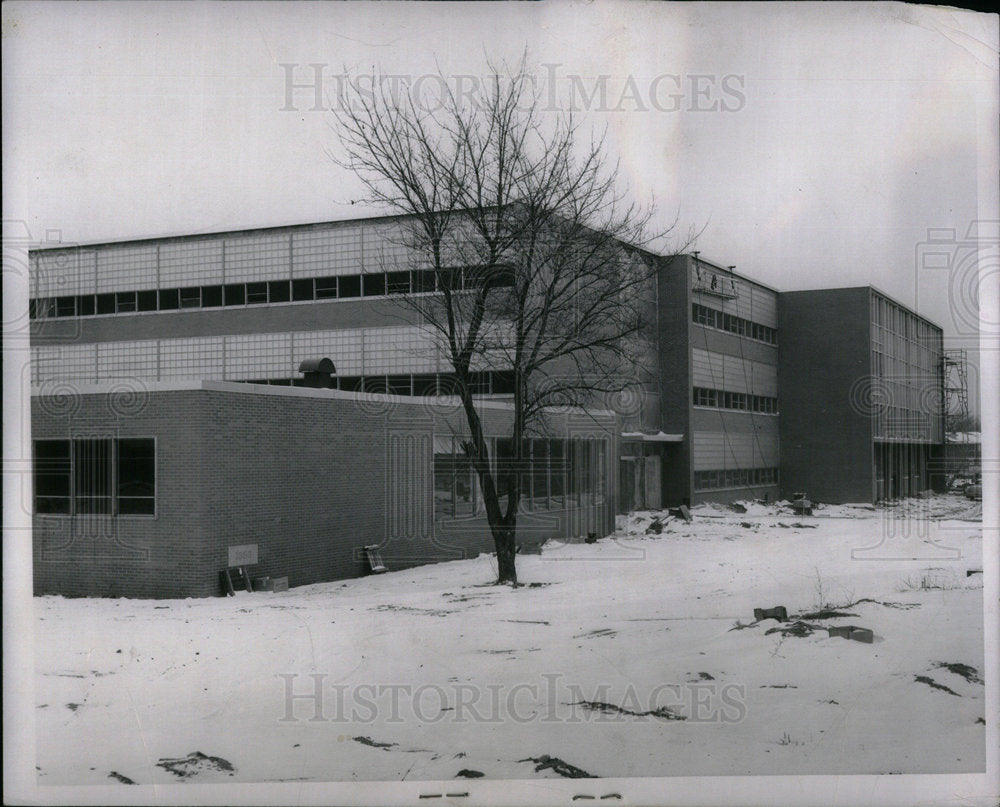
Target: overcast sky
813	145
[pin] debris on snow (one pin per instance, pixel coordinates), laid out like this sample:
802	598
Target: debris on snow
970	674
545	762
662	712
923	679
195	763
373	743
797	628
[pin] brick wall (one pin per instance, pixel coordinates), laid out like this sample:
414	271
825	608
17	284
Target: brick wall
302	474
131	556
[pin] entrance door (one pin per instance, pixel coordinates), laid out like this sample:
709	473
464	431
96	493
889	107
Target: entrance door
652	480
628	484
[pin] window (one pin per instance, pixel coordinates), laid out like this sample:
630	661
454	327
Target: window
397	283
465	483
136	477
739	401
506	468
374	284
326	287
710	317
705	397
376	383
52	476
600	470
734	478
256	293
125	302
444	496
450	279
539	474
191	297
425	384
235	294
65	306
169	299
100	476
557	472
422	280
400	385
146	301
92	476
86	305
349	286
105	304
502	382
211	296
303	289
479	383
454	479
279	291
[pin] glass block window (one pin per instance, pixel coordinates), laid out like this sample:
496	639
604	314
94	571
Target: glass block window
257	257
259	356
126	360
334	251
61	272
64	363
399	350
190	263
192	358
126	268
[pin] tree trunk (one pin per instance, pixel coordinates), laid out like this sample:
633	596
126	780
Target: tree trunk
503	539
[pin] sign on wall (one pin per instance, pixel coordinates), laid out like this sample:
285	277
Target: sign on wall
243	555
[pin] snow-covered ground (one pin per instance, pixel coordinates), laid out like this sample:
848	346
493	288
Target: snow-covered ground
634	656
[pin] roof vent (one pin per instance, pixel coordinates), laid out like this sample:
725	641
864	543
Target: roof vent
318	373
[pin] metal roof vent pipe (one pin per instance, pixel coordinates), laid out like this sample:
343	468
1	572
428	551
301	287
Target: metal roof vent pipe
318	373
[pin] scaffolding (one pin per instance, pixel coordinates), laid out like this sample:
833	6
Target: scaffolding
955	371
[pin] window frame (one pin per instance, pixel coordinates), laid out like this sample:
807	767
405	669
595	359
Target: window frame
114	478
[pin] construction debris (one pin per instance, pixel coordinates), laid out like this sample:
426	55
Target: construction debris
852	632
778	612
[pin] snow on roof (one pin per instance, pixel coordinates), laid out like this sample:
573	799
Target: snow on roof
658	437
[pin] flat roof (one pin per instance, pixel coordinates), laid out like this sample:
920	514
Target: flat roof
246	388
870	288
171	237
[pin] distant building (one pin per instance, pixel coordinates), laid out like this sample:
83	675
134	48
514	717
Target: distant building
136	347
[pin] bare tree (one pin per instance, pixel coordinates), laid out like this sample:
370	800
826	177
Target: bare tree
535	250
